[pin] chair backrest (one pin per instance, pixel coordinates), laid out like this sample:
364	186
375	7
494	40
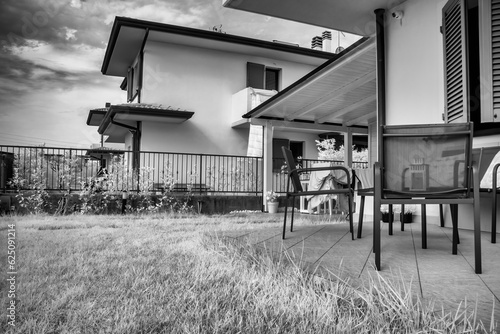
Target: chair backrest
431	160
291	169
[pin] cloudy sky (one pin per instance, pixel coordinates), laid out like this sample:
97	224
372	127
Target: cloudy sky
52	52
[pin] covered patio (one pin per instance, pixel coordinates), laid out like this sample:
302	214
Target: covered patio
322	245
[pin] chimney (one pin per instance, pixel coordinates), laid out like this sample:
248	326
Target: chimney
327	41
317	43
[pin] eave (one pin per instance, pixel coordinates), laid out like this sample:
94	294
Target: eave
127	37
120	119
356	17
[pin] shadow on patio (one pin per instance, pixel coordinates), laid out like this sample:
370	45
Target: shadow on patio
326	249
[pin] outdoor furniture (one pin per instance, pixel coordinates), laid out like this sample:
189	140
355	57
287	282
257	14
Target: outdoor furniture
427	164
488	163
297	191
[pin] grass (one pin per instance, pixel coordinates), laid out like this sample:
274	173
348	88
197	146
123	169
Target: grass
173	274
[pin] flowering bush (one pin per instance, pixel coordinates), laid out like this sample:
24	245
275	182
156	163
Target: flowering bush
327	151
271	196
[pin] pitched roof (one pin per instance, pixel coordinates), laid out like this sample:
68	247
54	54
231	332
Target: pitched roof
128	36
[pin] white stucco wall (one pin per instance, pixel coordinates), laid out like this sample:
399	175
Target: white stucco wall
415	90
415	83
202	81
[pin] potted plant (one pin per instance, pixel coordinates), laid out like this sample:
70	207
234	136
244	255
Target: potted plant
272	202
407	216
384	210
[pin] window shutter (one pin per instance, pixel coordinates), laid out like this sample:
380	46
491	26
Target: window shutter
255	75
455	61
130	84
495	53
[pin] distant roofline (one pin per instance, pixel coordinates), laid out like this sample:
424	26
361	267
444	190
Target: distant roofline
205	34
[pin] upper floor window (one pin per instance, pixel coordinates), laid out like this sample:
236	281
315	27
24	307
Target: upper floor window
261	77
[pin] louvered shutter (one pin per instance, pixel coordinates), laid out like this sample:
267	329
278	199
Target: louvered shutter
255	75
455	61
495	54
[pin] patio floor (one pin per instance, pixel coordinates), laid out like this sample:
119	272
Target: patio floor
434	273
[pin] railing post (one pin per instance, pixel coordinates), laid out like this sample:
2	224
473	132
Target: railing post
201	162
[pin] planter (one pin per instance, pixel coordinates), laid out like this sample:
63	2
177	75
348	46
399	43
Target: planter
385	217
406	217
272	207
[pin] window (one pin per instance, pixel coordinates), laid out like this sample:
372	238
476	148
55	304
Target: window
134	80
297	148
261	77
472	63
272	79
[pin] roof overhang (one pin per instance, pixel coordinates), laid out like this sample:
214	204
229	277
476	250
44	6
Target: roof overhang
128	36
120	119
99	153
96	116
356	17
341	92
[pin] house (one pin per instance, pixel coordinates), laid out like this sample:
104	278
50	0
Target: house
437	61
189	89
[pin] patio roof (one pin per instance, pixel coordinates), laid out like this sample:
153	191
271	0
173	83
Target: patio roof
346	15
340	93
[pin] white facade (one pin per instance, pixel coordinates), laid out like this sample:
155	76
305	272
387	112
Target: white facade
203	81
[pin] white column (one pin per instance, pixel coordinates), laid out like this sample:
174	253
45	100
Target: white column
268	161
348	148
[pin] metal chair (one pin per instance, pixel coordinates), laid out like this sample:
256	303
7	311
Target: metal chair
427	164
297	191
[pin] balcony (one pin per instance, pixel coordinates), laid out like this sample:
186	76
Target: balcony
247	99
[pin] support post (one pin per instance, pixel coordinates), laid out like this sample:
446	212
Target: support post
348	148
268	162
380	69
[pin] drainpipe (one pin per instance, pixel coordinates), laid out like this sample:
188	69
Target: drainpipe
381	102
136	143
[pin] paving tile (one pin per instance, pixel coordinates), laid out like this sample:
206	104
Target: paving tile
433	274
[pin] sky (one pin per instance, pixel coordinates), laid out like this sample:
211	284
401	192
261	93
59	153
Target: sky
52	52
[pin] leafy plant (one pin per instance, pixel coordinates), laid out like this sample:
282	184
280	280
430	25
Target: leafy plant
29	179
271	196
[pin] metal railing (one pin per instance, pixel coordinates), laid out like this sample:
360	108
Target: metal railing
69	169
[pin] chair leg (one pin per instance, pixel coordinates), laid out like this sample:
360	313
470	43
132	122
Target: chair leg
477	222
377	195
361	213
293	211
391	219
494	216
284	221
351	225
454	222
424	227
441	215
401	217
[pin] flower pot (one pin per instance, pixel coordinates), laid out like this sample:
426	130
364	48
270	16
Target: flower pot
272	207
385	217
406	217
